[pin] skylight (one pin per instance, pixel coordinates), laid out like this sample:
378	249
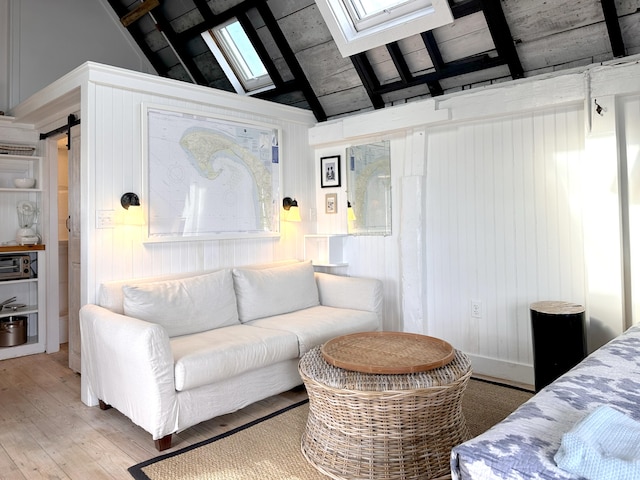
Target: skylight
366	13
360	25
232	48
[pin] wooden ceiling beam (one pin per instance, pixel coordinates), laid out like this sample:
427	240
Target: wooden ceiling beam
291	60
138	12
398	60
160	68
208	16
501	34
613	27
464	8
369	79
451	69
179	47
257	43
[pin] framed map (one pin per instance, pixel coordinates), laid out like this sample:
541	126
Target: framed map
209	176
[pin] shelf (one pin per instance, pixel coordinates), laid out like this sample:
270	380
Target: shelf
325	250
29	291
15	189
21	248
23	311
33	345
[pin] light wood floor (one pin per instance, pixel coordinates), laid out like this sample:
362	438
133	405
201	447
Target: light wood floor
46	432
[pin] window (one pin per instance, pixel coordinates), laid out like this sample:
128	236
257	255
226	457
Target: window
368	13
232	48
360	25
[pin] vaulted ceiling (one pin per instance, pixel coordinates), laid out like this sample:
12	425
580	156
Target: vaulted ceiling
489	41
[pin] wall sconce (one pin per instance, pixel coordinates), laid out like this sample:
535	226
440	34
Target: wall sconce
351	214
291	207
131	203
129	200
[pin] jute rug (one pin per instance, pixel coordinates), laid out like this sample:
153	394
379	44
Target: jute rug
269	448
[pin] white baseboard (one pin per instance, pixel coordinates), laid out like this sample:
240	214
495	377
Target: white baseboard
499	369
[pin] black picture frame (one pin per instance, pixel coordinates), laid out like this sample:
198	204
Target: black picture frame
330	171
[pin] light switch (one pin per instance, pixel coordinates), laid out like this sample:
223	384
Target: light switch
105	219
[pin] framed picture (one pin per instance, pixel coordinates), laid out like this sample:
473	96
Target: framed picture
331	203
330	171
208	176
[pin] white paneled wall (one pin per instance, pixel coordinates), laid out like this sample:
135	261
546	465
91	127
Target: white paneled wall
630	132
504	227
115	166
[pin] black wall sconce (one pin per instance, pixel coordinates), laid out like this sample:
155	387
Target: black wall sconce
129	199
291	206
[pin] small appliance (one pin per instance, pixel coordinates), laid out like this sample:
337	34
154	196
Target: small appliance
15	267
27	215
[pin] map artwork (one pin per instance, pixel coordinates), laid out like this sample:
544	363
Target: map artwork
210	176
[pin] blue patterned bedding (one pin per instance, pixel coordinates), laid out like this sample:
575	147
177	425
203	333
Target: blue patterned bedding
523	445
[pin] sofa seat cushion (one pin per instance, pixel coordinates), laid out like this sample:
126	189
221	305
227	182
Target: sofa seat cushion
272	291
317	325
214	355
186	305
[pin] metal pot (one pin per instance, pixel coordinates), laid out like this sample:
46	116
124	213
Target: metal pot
13	330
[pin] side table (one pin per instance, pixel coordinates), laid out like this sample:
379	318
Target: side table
383	426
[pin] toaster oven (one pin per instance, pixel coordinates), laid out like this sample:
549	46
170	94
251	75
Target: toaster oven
15	267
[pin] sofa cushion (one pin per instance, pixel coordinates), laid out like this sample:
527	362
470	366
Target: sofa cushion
273	291
186	305
317	325
215	355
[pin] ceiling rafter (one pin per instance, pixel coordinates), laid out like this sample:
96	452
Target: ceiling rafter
613	27
369	79
464	8
451	69
291	60
544	25
403	69
179	47
500	34
431	45
502	39
121	11
255	40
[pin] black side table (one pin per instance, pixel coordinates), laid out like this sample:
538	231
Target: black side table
559	341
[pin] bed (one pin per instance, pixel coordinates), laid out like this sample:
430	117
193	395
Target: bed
523	445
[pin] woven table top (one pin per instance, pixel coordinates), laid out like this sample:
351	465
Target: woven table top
387	352
314	367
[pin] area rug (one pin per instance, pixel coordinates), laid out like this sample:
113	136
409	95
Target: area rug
269	448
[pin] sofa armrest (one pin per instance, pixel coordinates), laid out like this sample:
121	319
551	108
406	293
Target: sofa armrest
357	293
127	363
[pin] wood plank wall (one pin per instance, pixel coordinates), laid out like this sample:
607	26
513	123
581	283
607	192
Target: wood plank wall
630	112
115	167
504	227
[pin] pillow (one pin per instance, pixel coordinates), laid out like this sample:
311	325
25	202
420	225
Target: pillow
273	291
186	305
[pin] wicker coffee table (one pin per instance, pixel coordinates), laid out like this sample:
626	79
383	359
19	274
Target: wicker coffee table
365	425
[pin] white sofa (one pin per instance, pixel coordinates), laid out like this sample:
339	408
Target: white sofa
170	352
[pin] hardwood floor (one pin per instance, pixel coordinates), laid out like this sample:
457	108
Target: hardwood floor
46	432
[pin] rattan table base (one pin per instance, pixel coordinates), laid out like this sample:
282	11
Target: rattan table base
383	426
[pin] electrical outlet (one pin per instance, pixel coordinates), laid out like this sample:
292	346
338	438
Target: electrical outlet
476	308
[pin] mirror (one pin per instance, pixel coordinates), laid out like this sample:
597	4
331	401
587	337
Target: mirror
369	188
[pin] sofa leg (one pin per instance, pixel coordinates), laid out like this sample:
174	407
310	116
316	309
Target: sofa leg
163	443
103	406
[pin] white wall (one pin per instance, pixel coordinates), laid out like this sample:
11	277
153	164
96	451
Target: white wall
112	146
506	196
40	41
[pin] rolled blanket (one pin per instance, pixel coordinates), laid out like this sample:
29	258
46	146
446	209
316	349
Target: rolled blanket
604	445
